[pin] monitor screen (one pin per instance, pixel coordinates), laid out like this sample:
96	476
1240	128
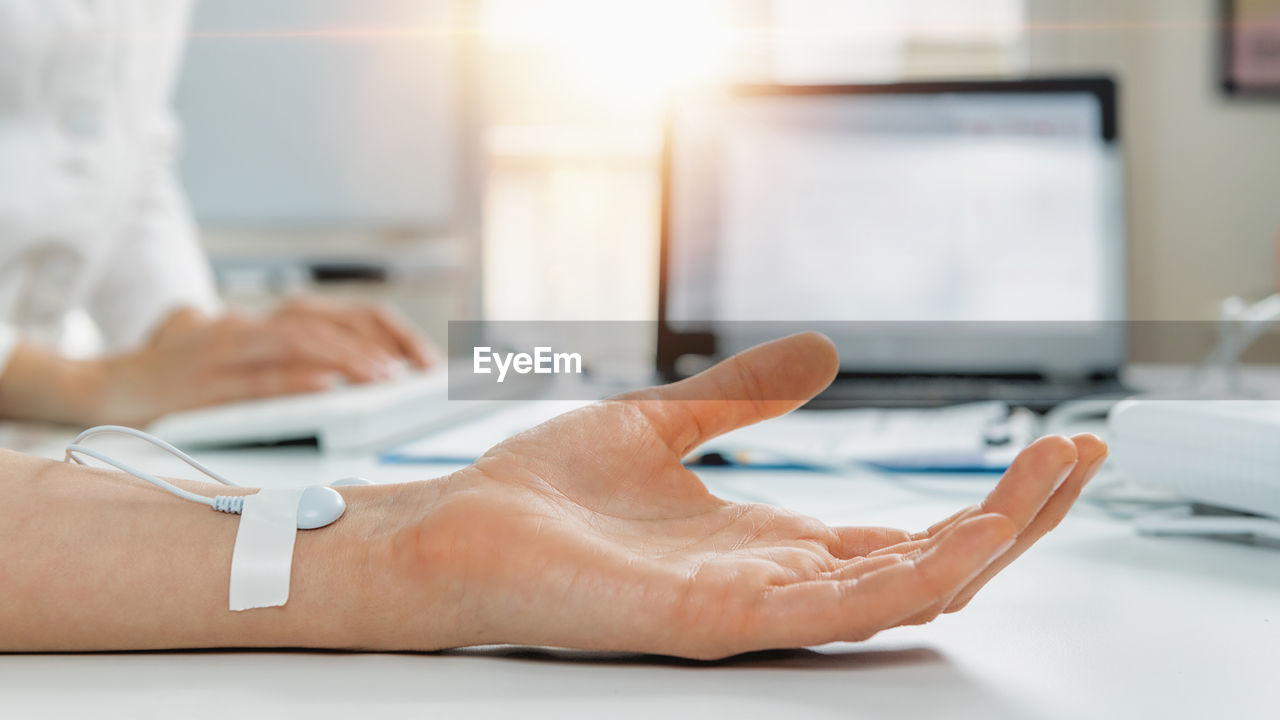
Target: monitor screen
952	203
306	115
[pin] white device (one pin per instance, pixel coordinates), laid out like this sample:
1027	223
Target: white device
1221	453
351	418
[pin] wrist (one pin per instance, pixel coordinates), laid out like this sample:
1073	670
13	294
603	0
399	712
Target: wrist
114	390
39	384
352	587
82	390
177	322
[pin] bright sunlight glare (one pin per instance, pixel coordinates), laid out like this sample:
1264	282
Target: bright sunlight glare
625	51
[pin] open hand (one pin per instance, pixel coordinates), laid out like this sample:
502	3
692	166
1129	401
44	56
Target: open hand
589	532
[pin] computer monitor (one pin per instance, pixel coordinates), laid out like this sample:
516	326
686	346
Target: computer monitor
954	227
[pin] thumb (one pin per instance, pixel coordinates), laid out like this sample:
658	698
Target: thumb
764	382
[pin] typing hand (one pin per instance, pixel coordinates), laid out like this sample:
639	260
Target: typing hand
307	345
588	532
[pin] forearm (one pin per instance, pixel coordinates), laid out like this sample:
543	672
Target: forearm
39	384
94	560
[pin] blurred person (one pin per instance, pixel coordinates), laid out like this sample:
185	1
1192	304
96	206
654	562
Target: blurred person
92	217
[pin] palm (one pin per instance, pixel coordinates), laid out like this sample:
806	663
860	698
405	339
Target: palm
597	536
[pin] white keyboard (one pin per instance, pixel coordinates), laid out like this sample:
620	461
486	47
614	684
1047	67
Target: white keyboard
351	418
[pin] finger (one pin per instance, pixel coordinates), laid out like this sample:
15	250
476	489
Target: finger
267	381
378	325
903	547
821	611
1092	453
763	382
923	541
408	340
312	305
1020	495
855	542
914	546
320	343
1024	491
788	564
1021	488
1035	474
863	565
343	351
943	525
359	322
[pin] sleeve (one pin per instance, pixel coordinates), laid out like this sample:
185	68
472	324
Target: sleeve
157	264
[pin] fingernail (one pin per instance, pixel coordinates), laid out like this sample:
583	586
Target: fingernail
1063	475
396	368
1004	548
1094	467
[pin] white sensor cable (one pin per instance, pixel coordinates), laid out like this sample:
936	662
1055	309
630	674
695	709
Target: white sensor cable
318	507
223	503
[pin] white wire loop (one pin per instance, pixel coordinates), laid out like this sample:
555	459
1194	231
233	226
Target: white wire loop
223	503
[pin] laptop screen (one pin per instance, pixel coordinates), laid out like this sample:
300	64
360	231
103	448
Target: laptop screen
995	207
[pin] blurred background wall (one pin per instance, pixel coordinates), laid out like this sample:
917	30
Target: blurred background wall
334	139
1204	167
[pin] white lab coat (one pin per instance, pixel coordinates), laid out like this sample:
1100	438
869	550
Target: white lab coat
91	215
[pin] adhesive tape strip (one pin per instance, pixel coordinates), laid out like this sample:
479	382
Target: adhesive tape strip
263	555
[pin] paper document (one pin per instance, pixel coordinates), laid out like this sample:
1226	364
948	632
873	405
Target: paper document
978	436
466	442
975	436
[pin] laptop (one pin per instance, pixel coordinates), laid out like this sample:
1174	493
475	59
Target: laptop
958	241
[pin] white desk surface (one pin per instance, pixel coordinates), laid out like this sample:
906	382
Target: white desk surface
1095	622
